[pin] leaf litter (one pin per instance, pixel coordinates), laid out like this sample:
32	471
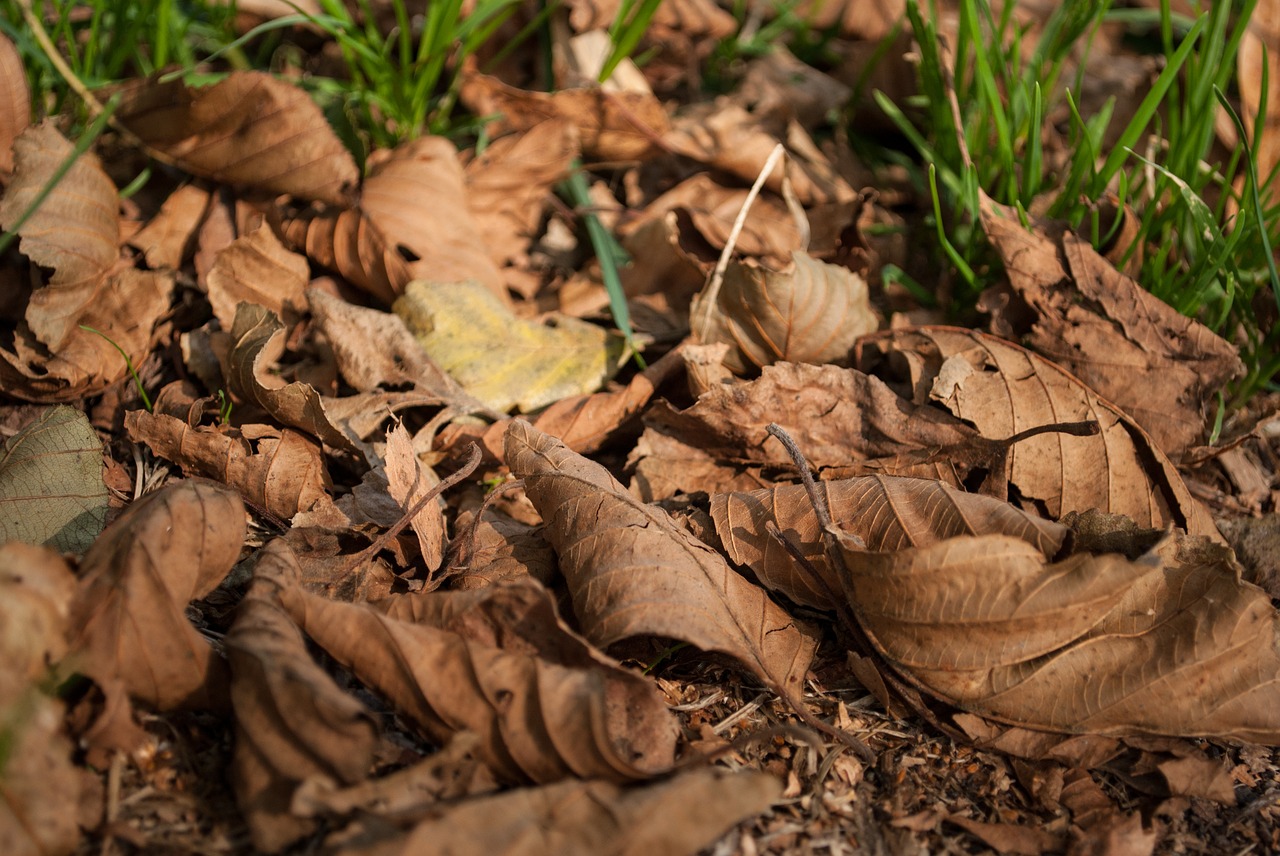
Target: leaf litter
1003	616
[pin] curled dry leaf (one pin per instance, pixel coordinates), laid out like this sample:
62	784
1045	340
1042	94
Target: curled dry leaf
495	548
15	103
51	488
348	243
128	616
809	313
541	715
281	471
1159	366
443	237
886	512
249	129
1172	643
508	185
458	324
258	340
408	480
168	236
611	125
677	816
632	571
293	724
74	232
256	268
1003	389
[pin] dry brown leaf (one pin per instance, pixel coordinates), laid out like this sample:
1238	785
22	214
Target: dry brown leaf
633	572
541	714
1003	389
408	480
611	125
858	19
726	137
778	88
443	237
1172	643
258	340
677	816
125	310
810	312
256	268
74	232
249	129
694	18
15	104
1161	368
39	784
128	616
349	243
36	587
293	725
887	513
281	471
1263	35
508	185
496	548
167	238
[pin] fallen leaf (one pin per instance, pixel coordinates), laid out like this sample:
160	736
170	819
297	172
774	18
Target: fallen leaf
293	725
128	618
51	488
73	232
444	239
1172	643
15	104
39	784
258	340
348	243
809	313
632	571
37	587
168	237
458	325
408	480
256	268
1003	389
494	548
681	815
249	129
886	512
540	717
1261	46
281	471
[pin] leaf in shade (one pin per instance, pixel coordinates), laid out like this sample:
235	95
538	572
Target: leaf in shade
442	236
811	313
258	340
168	237
497	548
540	717
256	268
293	724
632	571
249	129
281	471
677	816
128	616
348	243
1003	389
74	232
458	324
15	103
51	488
886	512
1172	643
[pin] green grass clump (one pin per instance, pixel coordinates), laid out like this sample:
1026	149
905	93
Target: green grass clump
1205	241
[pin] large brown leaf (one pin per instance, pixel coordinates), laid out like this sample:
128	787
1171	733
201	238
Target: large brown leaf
886	512
1003	389
128	616
293	724
15	103
74	232
282	471
1172	643
249	129
681	815
542	715
809	313
632	571
1159	366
